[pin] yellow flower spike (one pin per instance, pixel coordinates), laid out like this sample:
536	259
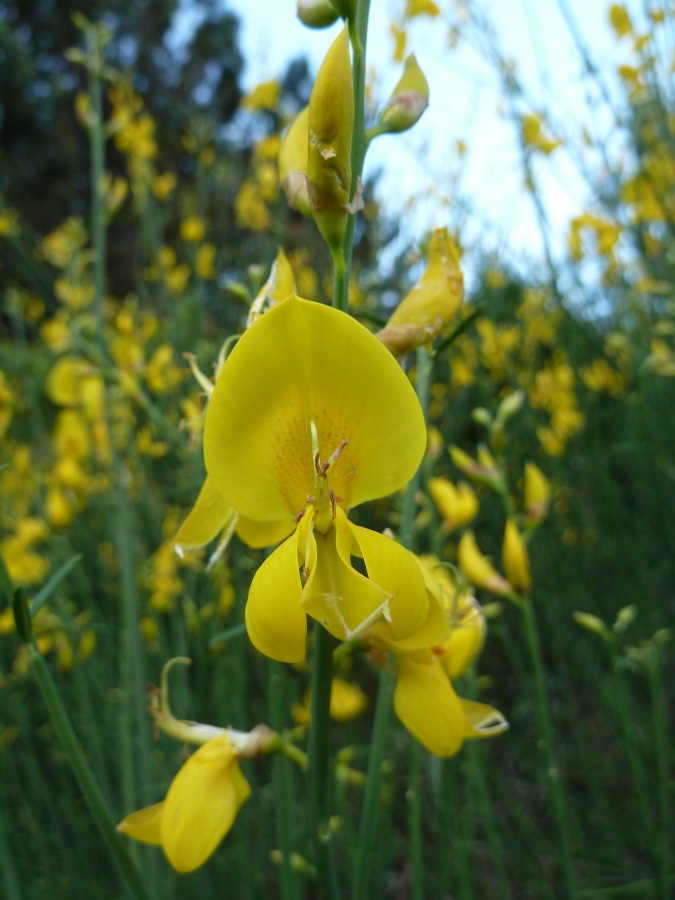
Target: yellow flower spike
408	101
309	415
292	161
278	287
426	703
457	505
516	559
431	304
537	494
199	809
347	701
477	568
331	122
317	13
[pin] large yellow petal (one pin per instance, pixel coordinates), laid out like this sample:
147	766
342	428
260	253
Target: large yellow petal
343	600
397	571
275	621
263	534
481	720
201	805
436	628
305	361
207	518
143	825
426	703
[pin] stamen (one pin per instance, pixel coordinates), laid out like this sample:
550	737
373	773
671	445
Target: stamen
300	515
323	467
310	499
333	458
308	544
333	505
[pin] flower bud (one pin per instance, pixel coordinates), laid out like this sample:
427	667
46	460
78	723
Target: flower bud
591	623
457	505
431	304
408	101
625	617
293	163
484	471
537	494
331	122
317	13
510	406
477	568
516	560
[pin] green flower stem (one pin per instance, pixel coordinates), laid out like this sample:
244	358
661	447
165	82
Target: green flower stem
340	283
415	822
386	685
97	168
318	751
358	33
281	776
546	730
373	783
637	773
660	719
90	788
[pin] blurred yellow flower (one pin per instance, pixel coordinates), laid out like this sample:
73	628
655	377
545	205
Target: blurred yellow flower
263	96
457	505
204	262
193	229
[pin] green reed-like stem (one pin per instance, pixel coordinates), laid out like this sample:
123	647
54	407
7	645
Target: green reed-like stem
281	780
415	822
97	169
358	34
660	720
386	686
83	773
318	751
636	769
546	730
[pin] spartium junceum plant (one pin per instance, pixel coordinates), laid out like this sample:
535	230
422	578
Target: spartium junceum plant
310	415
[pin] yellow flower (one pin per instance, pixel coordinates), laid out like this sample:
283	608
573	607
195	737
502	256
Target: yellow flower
311	415
537	494
25	565
477	568
204	260
421	8
250	208
427	661
199	808
457	505
163	186
431	304
263	96
331	121
347	701
535	137
516	559
193	229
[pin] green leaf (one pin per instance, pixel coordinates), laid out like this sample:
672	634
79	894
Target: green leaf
226	635
21	614
48	589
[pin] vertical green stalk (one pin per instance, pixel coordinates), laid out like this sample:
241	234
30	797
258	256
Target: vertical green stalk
318	750
83	773
637	772
415	822
660	719
131	669
546	729
358	34
386	686
281	781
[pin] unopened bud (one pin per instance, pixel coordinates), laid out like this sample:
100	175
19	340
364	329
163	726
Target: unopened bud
457	505
591	623
485	471
431	304
482	416
477	568
331	122
292	162
625	617
516	560
408	101
537	494
278	287
317	13
510	406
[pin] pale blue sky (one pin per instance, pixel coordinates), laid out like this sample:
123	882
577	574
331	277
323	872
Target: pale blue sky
466	104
